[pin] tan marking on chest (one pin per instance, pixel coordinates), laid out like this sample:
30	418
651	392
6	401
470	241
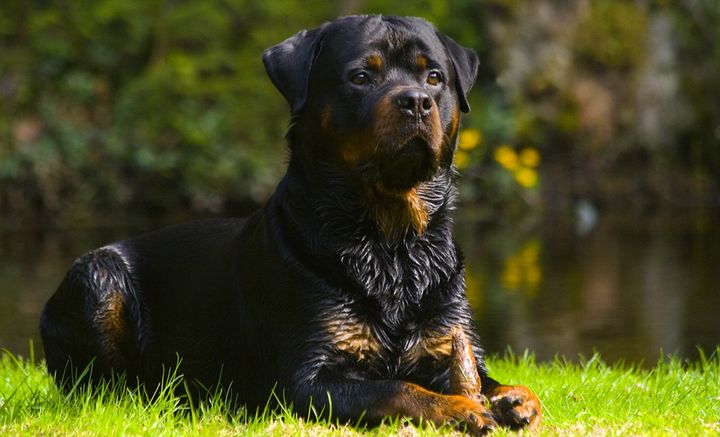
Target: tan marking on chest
354	338
438	347
396	212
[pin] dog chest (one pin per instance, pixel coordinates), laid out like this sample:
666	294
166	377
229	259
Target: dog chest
386	353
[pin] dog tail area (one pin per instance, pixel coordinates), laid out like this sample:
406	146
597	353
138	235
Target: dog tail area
89	326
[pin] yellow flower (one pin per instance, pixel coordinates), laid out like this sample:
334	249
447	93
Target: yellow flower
469	139
533	275
511	277
530	157
530	252
461	159
522	270
526	177
507	157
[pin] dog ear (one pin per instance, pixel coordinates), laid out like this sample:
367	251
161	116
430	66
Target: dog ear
288	64
465	62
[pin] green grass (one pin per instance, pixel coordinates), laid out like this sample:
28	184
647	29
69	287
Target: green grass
590	398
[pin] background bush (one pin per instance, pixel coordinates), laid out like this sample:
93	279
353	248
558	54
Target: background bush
111	108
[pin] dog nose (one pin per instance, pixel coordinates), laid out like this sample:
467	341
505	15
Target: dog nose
415	102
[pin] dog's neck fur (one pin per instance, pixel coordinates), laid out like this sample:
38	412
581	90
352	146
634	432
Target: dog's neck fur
337	229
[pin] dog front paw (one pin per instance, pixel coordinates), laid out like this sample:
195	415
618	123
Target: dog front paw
475	417
515	406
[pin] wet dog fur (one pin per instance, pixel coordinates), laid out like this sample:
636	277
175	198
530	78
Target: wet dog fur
343	289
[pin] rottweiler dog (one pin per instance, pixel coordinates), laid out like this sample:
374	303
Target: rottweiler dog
341	292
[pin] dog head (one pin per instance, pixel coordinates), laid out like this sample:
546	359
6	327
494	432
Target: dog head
377	98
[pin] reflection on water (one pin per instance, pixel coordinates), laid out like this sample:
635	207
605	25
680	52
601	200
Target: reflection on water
629	288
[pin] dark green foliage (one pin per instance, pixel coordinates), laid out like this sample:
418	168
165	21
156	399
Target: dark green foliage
612	35
137	105
125	106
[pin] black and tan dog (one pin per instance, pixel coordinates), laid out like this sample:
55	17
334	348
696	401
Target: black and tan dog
343	289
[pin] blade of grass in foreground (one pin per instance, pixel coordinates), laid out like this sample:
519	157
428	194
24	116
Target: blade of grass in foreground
590	397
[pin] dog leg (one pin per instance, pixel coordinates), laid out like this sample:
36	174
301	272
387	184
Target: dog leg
513	406
88	320
371	401
464	377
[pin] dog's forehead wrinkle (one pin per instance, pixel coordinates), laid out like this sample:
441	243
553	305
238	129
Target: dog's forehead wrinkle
406	51
397	40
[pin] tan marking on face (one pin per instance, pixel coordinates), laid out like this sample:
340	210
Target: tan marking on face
326	119
437	132
395	211
454	123
353	337
349	154
422	62
388	118
398	211
355	148
351	148
375	62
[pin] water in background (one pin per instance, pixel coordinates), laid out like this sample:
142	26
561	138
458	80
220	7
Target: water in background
628	287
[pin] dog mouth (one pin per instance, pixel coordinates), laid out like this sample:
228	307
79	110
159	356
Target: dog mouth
413	162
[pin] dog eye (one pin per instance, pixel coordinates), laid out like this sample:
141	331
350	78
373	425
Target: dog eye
434	78
361	78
